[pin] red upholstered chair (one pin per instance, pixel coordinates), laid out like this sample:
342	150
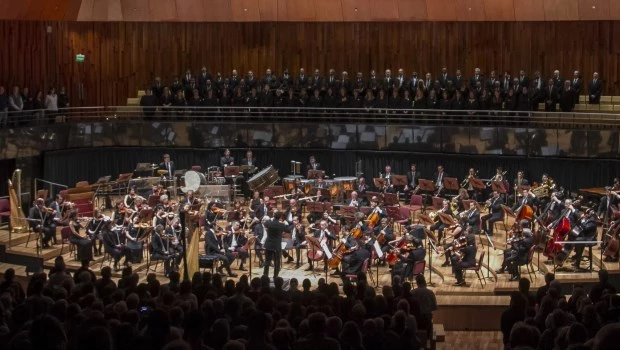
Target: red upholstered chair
403	220
65	233
528	264
418	269
416	202
196	168
5	210
365	270
477	270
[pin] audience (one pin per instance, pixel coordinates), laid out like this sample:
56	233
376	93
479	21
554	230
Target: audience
58	311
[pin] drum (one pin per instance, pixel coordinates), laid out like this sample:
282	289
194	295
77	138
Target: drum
212	172
263	179
307	185
193	180
220	180
288	183
346	183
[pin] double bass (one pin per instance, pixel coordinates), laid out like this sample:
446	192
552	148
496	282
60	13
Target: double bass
610	241
561	227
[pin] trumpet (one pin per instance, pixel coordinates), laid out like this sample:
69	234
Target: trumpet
466	180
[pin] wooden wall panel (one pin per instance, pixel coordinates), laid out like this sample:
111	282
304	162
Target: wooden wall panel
412	10
328	10
438	11
125	56
470	10
245	10
529	10
591	10
561	10
217	11
268	10
499	10
356	10
191	10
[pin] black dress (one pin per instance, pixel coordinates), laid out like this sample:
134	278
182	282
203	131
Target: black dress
84	245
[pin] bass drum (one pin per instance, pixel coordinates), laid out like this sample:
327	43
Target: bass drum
263	179
193	181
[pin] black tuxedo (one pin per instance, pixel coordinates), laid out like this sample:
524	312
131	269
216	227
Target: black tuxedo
213	246
443	80
594	91
524	81
473	221
355	262
316	166
604	208
159	252
317	82
285	81
42	222
568	98
495	214
474	80
187	78
438	179
170	167
401	81
588	233
412	179
469	260
110	241
550	96
528	201
273	246
302	82
404	267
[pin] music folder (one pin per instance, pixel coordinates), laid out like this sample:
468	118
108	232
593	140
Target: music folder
426	185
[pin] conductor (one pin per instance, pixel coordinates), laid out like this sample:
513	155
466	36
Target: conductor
273	243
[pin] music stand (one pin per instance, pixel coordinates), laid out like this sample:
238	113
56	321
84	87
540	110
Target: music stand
104	179
390	199
399	180
467	202
520	188
314	207
315	174
153	200
348	212
425	219
451	183
507	211
477	184
498	186
370	194
379	182
393	213
446	219
437	203
231	171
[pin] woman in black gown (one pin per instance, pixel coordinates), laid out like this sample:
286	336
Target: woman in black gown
83	243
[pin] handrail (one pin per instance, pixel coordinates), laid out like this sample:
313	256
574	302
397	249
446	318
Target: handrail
311	114
50	186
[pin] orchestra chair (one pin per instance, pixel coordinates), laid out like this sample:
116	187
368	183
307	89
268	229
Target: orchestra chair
403	220
5	211
81	184
107	257
418	269
151	260
477	269
416	202
196	168
65	233
528	263
207	262
365	270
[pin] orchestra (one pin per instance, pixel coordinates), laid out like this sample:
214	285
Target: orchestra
274	224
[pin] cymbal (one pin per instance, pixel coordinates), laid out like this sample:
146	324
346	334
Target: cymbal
162	171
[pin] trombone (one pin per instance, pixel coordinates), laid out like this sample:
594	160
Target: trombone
497	177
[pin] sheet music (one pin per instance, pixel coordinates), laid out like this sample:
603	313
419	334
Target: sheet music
328	254
378	249
283	245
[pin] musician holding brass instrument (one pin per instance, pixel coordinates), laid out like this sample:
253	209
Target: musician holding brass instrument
41	220
81	240
439	226
520	180
438	179
520	243
407	257
472	217
412	179
469	187
494	204
114	244
543	191
464	258
388	186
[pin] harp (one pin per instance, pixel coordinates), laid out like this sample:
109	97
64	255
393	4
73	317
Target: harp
19	224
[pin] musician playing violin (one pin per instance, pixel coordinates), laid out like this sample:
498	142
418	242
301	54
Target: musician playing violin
292	211
130	198
354	261
213	246
439	226
322	234
407	257
518	253
464	259
235	241
82	241
41	220
62	209
114	243
94	229
298	232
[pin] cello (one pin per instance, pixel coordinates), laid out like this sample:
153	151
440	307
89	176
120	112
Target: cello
341	248
316	253
561	227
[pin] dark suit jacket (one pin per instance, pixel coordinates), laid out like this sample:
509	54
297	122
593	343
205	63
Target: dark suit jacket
411	176
436	175
469	255
244	161
595	88
550	95
473	220
226	160
157	244
357	261
162	165
274	235
602	208
317	166
567	100
261	211
212	244
496	205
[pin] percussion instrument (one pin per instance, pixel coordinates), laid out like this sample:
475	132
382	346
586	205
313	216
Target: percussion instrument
212	173
289	183
219	180
162	172
263	179
346	183
193	180
307	185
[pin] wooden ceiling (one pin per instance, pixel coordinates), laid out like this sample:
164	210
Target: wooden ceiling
309	10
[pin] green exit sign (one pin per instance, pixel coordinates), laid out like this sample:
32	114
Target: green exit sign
79	58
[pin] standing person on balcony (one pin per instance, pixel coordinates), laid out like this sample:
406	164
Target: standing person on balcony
595	87
568	98
51	105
